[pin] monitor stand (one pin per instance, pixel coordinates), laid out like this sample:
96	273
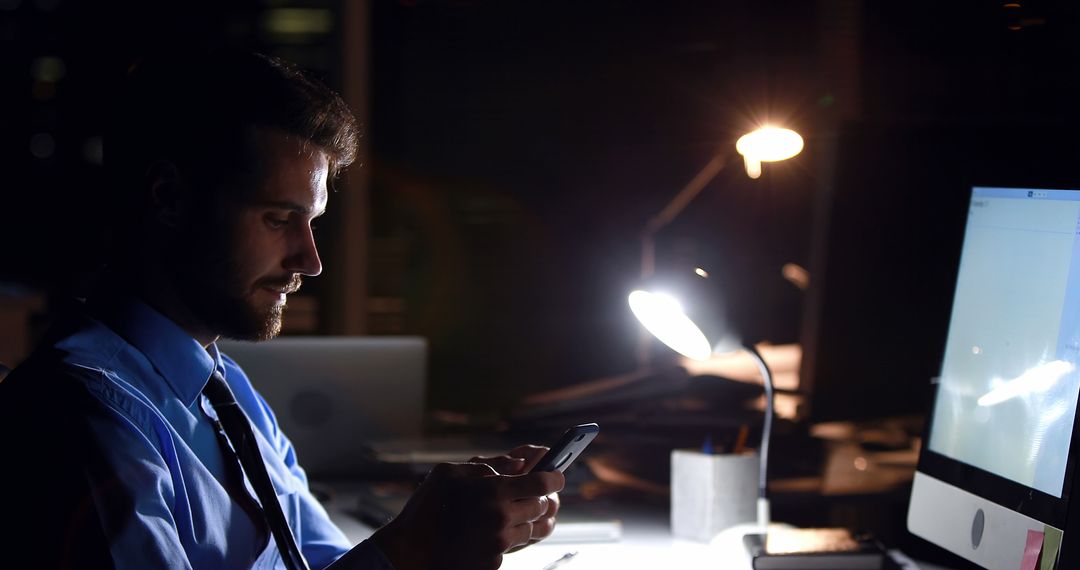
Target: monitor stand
979	530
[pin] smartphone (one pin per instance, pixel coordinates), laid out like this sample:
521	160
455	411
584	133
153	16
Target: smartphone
568	448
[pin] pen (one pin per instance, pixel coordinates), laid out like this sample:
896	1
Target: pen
740	443
562	560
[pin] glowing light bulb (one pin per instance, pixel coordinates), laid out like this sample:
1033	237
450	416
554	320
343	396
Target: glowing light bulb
753	166
767	144
663	316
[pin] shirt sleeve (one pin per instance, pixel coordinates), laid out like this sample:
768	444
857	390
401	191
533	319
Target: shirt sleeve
56	517
128	480
321	541
132	491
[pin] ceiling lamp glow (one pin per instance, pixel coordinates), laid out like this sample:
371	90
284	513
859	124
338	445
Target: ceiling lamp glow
767	144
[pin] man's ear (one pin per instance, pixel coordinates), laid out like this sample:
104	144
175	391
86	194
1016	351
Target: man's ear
168	198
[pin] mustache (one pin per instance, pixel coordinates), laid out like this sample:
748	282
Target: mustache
289	284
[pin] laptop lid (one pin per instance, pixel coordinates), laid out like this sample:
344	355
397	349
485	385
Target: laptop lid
334	395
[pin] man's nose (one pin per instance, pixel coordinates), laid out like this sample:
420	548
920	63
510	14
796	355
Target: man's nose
303	257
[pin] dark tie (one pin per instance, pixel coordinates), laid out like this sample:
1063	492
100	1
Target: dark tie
238	430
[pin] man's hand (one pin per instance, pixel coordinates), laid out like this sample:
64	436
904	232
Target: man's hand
520	460
467	515
516	461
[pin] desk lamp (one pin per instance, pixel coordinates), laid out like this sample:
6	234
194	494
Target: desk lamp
663	316
662	313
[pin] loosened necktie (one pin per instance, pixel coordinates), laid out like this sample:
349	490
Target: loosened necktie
238	430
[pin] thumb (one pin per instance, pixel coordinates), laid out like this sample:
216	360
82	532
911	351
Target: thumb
463	470
503	464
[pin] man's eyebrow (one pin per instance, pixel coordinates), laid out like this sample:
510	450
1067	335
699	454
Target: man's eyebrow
289	205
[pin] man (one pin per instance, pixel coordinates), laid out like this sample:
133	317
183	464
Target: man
119	436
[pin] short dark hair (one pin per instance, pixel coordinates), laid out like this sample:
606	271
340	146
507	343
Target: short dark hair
200	111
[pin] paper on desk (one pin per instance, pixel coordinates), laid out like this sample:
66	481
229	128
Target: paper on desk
1032	550
575	532
1051	545
641	553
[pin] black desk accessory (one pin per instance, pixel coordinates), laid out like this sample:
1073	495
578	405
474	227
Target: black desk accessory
814	549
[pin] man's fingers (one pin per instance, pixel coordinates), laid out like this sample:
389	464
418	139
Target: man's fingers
504	464
463	470
518	460
465	515
526	510
539	530
553	505
515	536
531	485
542	528
545	525
531	454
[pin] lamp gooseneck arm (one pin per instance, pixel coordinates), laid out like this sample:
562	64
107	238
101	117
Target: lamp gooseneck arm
766	435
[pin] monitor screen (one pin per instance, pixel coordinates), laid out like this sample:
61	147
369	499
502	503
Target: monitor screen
998	461
1008	387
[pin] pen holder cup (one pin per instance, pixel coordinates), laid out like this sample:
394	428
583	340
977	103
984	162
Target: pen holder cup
711	492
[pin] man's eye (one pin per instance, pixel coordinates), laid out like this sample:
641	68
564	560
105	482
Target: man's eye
276	222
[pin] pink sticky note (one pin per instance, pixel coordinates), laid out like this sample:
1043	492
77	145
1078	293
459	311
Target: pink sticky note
1032	550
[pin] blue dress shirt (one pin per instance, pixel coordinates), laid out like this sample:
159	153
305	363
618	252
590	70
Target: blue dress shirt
157	479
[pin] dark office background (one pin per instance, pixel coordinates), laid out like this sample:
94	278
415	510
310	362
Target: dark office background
513	151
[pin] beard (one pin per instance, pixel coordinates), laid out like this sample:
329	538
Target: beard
213	285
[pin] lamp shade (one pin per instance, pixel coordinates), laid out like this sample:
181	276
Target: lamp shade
767	144
663	316
685	312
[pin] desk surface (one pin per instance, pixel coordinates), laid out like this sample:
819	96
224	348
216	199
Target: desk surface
646	542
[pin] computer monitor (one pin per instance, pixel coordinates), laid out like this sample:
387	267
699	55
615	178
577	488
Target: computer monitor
887	234
999	458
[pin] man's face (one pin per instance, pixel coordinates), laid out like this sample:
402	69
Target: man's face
252	248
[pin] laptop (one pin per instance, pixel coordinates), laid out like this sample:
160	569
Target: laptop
333	396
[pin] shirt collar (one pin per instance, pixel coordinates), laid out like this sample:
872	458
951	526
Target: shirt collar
180	359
